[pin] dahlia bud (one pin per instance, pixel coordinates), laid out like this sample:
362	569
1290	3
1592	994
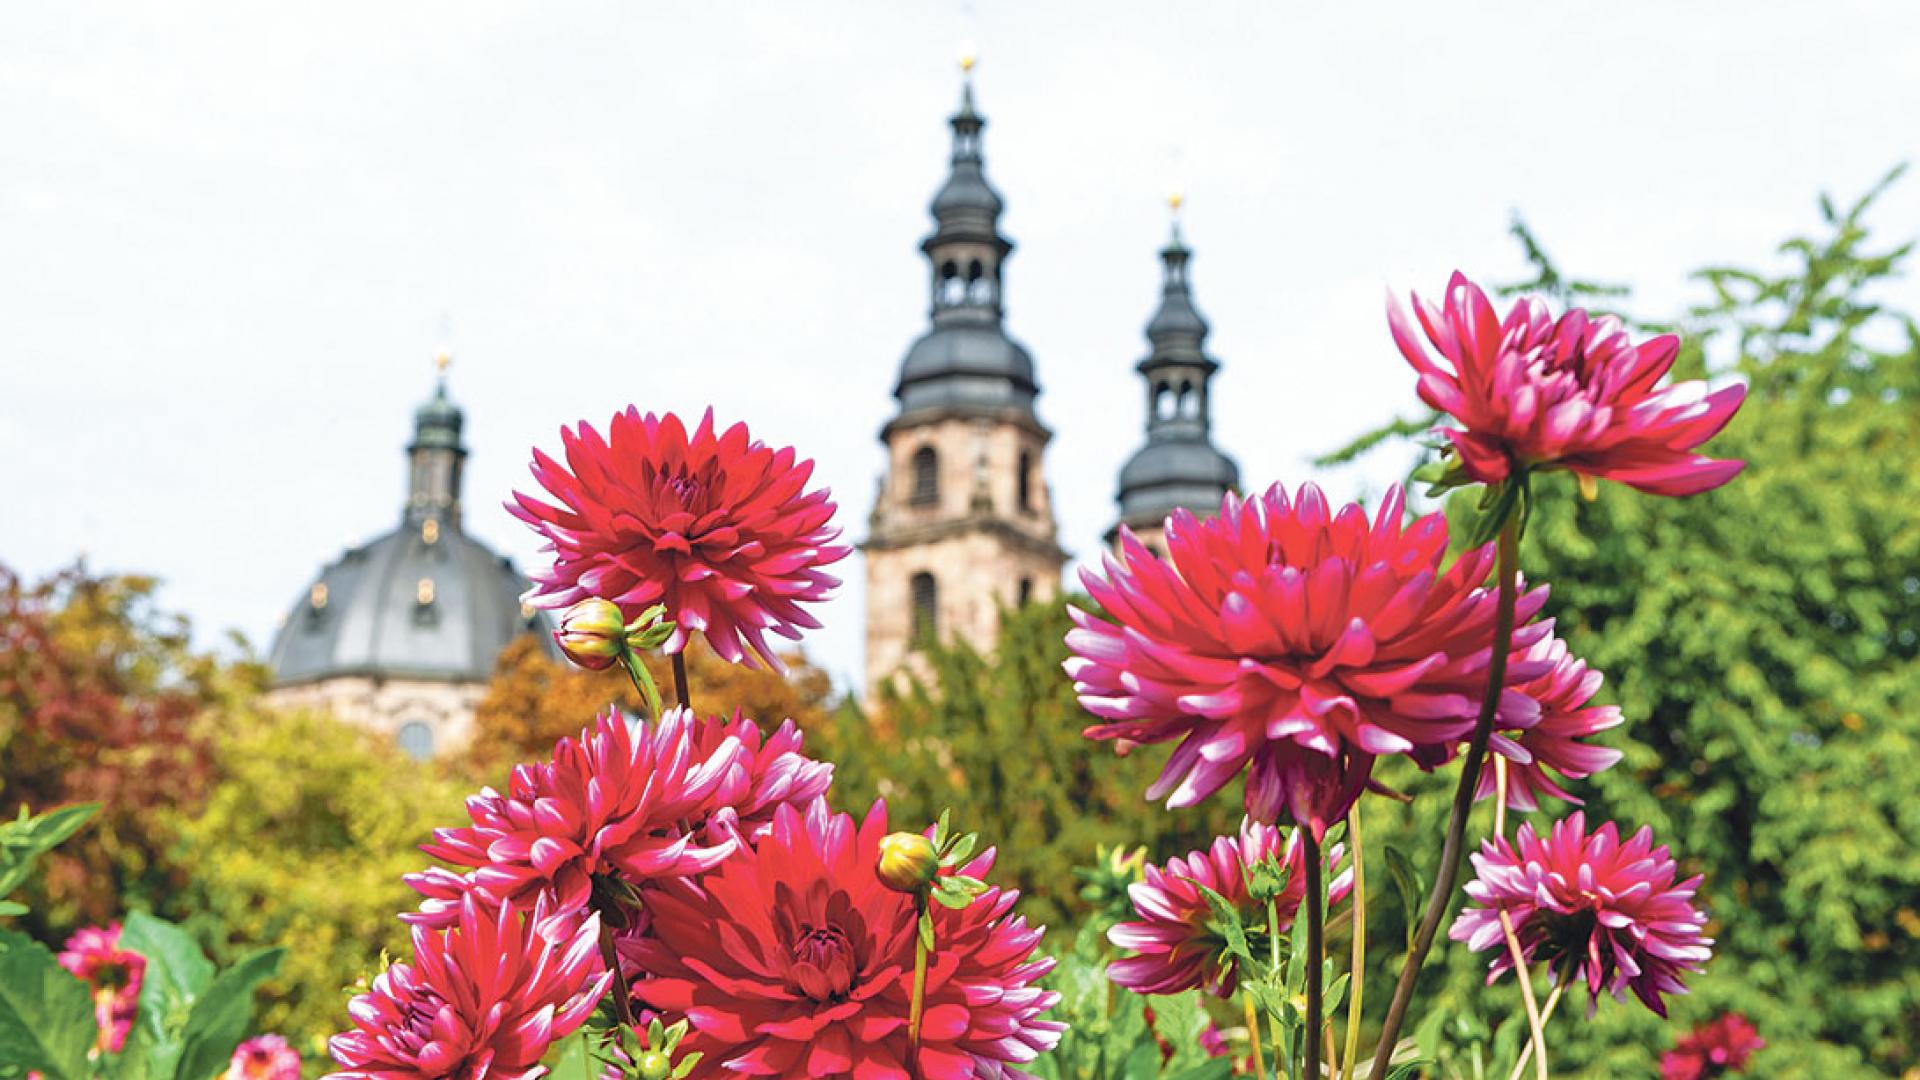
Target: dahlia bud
908	862
654	1065
592	633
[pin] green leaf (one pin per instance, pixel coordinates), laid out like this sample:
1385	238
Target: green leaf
221	1016
1142	1064
568	1059
46	1015
25	839
177	972
1408	883
1226	920
8	907
1217	1069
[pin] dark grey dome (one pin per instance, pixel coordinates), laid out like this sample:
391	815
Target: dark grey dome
1177	316
403	606
966	189
425	601
1173	473
966	365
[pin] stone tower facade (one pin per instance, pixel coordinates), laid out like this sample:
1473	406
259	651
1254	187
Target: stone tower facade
963	523
1178	467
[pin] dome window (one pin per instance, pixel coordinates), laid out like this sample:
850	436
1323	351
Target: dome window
317	596
423	592
415	739
430	531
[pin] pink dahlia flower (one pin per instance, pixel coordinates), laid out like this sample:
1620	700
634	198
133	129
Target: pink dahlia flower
94	956
1718	1048
1296	643
1554	740
264	1057
1176	946
1589	907
719	528
1532	392
617	800
793	959
482	999
770	772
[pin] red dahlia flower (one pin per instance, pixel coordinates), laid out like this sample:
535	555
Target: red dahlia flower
94	956
1176	946
625	799
1578	394
1297	643
792	959
1719	1048
264	1057
719	528
1590	907
482	1000
1554	740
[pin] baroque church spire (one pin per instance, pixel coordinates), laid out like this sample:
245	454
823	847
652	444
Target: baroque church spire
962	525
436	456
1178	466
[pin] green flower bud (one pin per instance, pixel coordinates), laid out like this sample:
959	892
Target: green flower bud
592	633
907	862
654	1065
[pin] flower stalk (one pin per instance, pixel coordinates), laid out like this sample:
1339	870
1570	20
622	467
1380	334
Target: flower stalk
1359	908
1316	950
1546	1013
1253	1031
1536	1023
680	691
1448	872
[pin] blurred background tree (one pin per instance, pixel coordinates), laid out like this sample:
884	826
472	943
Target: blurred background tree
98	691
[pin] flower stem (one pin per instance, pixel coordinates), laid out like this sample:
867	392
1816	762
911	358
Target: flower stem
1553	998
636	669
1525	976
1281	1048
622	995
919	1000
680	680
1316	951
1448	872
1253	1033
1359	908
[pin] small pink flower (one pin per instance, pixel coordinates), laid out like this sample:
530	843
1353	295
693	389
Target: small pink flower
717	527
1718	1048
1577	393
264	1057
94	955
1175	943
1554	741
481	1000
1295	643
614	801
1589	907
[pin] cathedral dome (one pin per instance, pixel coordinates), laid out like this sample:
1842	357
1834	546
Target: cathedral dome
404	606
423	602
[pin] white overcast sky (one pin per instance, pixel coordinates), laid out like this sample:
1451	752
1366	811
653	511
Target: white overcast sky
232	235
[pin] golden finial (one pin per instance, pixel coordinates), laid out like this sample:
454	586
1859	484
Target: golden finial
969	56
441	360
1175	199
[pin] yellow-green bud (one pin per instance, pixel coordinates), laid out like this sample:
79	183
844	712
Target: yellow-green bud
654	1065
907	862
592	633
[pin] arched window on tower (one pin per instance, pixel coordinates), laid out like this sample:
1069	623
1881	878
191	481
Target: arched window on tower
926	477
951	290
1189	404
979	286
926	609
1026	591
1162	401
1023	483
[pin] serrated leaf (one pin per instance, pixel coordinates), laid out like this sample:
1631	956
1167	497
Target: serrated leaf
46	1015
221	1016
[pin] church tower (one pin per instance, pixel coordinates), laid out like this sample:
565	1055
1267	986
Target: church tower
963	521
1178	467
